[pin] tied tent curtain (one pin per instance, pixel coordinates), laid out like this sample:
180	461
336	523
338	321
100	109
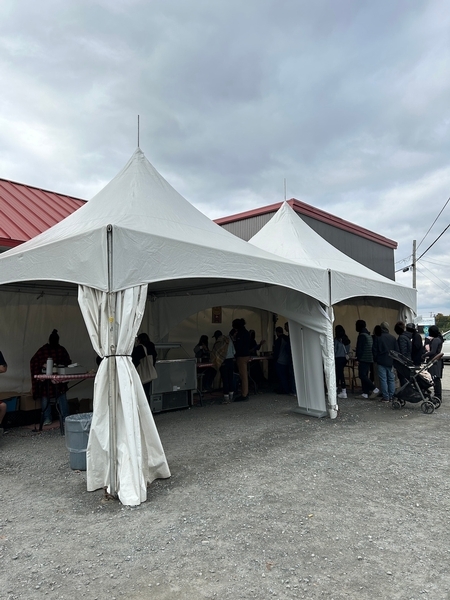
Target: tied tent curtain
138	455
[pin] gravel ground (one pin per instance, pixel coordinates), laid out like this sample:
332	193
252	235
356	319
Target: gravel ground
262	503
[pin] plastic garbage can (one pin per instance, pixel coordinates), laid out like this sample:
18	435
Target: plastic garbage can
77	435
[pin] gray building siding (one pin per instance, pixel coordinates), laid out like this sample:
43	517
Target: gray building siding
375	256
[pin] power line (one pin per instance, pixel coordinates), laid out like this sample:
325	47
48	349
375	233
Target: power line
406	268
440	213
431	245
445	288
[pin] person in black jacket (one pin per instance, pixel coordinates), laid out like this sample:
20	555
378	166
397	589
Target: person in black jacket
242	348
433	347
364	357
282	358
417	349
404	342
381	347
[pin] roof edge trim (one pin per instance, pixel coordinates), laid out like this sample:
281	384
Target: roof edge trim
314	213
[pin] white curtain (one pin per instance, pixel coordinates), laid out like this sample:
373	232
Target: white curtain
139	453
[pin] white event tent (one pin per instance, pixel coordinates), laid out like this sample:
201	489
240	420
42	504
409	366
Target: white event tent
139	237
288	236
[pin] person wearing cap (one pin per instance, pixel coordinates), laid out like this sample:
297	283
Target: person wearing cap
222	358
417	348
382	345
41	390
433	347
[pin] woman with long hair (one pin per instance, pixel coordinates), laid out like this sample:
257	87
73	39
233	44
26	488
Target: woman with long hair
144	347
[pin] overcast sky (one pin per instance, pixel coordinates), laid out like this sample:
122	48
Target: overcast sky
347	100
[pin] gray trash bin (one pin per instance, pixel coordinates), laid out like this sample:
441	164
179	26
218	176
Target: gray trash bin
77	435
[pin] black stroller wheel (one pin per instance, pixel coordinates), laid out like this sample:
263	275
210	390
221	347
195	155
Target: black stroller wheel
396	404
402	402
427	407
436	401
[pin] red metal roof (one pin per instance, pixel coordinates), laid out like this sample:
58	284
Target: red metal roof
26	211
314	213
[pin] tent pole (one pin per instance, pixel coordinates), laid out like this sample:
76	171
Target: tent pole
112	366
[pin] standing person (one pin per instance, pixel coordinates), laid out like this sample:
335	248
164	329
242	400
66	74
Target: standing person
256	371
222	357
381	348
41	389
254	346
404	342
417	349
144	347
242	347
433	347
201	350
341	351
364	357
282	357
3	369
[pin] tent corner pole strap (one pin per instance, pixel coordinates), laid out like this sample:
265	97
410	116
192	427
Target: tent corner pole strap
112	368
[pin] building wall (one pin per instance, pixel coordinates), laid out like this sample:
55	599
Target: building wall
375	256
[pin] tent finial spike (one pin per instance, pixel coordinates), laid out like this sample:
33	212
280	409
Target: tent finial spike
138	132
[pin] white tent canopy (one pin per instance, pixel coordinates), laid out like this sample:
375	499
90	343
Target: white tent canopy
288	236
139	231
158	237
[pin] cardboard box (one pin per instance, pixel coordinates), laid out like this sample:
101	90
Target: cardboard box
7	395
27	402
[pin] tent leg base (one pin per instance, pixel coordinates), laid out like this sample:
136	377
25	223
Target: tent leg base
311	412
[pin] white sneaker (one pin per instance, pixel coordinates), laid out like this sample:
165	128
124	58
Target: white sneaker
342	394
375	393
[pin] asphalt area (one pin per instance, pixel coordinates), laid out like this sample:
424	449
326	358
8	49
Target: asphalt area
263	503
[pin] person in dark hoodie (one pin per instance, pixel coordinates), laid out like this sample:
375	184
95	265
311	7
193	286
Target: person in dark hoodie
381	347
433	347
404	340
364	357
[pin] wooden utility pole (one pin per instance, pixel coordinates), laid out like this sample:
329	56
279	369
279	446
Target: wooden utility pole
414	278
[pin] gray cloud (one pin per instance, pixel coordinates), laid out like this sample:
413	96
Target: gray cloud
348	101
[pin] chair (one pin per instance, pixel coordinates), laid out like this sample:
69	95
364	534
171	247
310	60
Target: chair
350	373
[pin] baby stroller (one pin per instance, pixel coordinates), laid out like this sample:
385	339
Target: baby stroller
419	386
